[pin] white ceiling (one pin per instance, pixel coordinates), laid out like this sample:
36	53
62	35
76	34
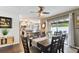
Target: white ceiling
25	11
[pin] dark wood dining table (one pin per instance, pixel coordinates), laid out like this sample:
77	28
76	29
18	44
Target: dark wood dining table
33	42
43	45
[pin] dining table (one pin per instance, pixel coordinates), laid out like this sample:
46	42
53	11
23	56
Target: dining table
42	43
33	42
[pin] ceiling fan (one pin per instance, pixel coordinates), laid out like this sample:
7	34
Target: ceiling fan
40	11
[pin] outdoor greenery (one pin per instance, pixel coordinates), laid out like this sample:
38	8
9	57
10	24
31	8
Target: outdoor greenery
60	24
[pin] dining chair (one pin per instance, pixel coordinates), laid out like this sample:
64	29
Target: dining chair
25	44
44	49
54	44
50	48
61	43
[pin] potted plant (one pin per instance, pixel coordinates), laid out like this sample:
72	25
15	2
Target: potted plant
4	32
4	38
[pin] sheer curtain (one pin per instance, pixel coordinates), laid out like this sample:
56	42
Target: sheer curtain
71	30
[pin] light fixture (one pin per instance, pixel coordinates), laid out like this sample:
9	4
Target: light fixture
44	25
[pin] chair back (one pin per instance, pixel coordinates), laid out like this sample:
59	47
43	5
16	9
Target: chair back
62	39
54	44
61	43
25	44
57	32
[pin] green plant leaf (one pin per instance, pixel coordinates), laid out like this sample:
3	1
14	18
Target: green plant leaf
5	32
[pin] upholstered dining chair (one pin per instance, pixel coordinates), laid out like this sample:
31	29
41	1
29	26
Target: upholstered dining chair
61	43
25	44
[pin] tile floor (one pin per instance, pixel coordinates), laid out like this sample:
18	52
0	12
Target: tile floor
68	49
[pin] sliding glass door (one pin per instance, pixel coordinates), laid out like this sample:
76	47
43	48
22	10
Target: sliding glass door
60	26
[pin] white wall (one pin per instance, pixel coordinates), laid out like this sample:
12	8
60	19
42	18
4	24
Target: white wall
14	31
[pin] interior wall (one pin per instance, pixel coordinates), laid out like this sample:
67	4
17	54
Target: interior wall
76	29
14	31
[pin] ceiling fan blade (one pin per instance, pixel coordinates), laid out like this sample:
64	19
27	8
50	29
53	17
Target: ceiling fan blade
33	12
40	11
46	12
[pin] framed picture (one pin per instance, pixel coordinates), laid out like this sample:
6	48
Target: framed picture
5	22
